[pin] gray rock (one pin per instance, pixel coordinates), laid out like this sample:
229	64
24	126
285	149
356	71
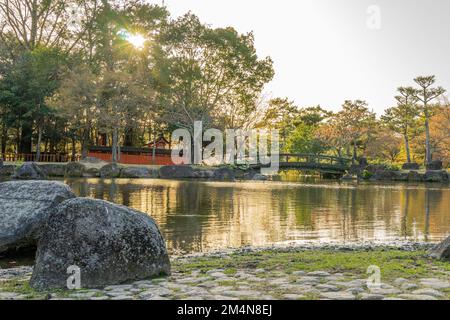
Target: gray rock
429	292
75	170
442	250
368	296
414	176
24	209
176	172
338	295
224	174
54	169
434	165
408	286
203	174
111	244
7	170
436	176
138	172
110	171
387	175
30	171
435	283
260	177
410	166
92	173
416	297
93	160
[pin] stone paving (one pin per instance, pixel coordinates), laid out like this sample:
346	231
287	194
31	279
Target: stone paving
248	284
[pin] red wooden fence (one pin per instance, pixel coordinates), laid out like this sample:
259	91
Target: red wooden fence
45	157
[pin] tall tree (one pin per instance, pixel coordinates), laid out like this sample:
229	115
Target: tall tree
356	121
403	118
426	94
209	75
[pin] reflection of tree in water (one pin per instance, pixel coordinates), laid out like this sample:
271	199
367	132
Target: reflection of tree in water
197	216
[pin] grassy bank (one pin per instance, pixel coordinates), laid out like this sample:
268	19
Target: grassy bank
266	268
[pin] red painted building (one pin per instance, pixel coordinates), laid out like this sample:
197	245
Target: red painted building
132	155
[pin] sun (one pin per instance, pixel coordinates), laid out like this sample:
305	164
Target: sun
137	40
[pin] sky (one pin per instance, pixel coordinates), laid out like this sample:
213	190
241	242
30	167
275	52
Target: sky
329	51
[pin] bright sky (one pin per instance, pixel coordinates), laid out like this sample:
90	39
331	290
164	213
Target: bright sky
325	52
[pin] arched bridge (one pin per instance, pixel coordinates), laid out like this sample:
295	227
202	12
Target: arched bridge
314	162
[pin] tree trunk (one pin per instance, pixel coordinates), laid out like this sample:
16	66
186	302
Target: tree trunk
85	143
38	145
26	138
408	152
73	148
355	152
428	142
154	149
4	139
114	146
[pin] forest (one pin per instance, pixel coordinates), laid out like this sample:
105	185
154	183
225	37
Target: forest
79	73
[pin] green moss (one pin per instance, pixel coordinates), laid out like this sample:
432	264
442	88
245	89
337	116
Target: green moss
353	264
393	263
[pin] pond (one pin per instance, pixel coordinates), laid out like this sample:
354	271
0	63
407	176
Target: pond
197	216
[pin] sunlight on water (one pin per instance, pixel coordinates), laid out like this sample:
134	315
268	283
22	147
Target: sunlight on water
203	216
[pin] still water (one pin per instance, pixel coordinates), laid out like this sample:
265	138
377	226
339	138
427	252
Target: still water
199	216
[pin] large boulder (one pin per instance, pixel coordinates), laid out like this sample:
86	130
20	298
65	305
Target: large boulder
75	170
30	171
54	169
434	165
110	171
24	209
442	250
436	176
410	166
110	244
176	172
138	172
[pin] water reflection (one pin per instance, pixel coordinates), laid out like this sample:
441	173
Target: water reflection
201	216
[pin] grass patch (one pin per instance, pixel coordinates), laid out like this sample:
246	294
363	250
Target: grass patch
393	263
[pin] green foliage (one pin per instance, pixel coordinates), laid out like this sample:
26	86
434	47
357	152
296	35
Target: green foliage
366	175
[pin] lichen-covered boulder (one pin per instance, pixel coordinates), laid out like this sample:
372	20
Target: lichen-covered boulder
30	171
24	209
75	170
110	171
138	172
442	250
110	244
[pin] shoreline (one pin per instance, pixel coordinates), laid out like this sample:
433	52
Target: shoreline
301	272
101	169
